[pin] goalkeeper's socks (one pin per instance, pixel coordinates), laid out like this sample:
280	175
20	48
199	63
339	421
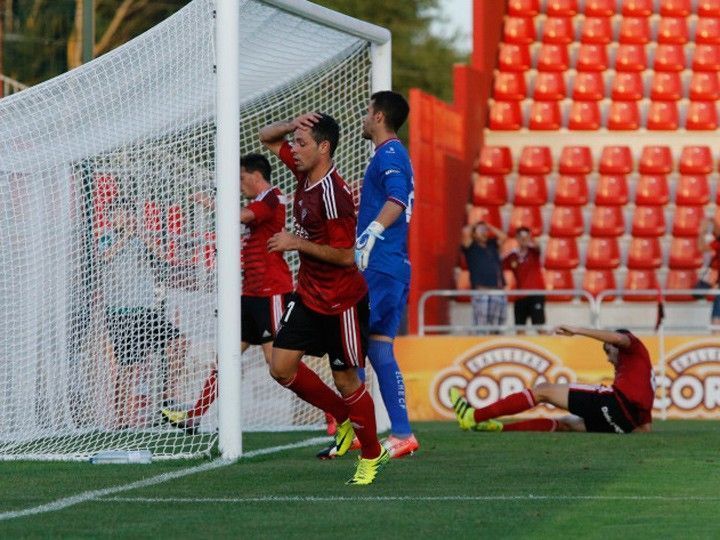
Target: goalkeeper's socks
309	387
392	386
207	397
535	424
362	416
512	404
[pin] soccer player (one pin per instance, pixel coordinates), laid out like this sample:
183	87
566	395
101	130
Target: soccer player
381	254
524	263
624	407
266	277
328	312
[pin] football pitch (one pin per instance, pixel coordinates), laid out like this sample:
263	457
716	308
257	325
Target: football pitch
465	485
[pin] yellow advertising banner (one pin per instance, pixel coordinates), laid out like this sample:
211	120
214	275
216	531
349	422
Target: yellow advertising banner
489	368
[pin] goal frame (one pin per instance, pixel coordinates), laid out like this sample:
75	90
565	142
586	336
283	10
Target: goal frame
227	172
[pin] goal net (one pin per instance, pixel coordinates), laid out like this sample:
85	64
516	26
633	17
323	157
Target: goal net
107	257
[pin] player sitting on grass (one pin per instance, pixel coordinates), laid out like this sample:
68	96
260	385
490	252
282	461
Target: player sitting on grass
625	407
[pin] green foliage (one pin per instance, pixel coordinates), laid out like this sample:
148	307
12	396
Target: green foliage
420	59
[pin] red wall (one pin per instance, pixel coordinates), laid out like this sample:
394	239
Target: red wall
444	140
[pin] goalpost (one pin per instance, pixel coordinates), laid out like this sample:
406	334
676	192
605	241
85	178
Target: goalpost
116	302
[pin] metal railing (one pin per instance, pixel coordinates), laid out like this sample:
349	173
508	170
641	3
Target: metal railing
594	304
10	86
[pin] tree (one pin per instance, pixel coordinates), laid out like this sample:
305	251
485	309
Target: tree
419	58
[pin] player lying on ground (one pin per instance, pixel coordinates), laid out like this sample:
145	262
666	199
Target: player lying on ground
624	407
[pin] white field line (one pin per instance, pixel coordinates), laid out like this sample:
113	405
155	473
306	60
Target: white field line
409	498
87	496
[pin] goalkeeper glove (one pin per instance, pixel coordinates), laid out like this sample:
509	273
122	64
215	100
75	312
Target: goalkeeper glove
365	243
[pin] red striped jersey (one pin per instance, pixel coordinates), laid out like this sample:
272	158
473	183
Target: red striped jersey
264	273
324	213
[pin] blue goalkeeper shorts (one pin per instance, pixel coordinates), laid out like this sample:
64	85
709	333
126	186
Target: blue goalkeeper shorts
388	298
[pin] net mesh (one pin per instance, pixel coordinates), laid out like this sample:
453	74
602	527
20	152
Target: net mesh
107	262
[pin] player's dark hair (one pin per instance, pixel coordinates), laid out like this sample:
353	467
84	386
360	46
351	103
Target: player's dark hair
520	230
623	331
326	129
393	106
257	163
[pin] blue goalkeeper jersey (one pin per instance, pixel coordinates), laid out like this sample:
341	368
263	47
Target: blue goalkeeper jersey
389	176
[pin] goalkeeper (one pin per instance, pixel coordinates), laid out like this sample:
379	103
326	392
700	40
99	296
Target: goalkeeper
381	253
624	407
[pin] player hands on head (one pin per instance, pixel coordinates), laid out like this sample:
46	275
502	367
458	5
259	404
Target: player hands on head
623	407
328	311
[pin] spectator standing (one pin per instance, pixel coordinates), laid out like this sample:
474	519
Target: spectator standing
524	263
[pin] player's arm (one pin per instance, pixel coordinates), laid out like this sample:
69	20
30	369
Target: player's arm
273	135
606	336
285	241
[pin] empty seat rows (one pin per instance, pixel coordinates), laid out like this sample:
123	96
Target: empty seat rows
606	8
597	86
608	29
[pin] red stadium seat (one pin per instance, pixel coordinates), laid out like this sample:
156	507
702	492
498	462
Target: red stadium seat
611	189
535	160
602	253
526	216
702	116
673	30
707	31
663	116
495	160
553	57
687	220
549	86
561	8
489	190
634	30
652	190
523	8
505	116
588	86
488	214
695	160
637	8
561	253
512	57
648	221
684	253
558	280
599	8
584	116
680	279
655	160
706	58
571	189
666	86
615	160
575	160
597	281
675	8
558	30
627	86
623	116
545	116
592	57
692	189
566	221
530	190
520	30
644	253
630	57
607	221
509	86
596	30
704	86
669	57
638	280
708	8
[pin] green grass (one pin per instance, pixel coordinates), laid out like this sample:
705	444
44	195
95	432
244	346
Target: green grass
584	485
